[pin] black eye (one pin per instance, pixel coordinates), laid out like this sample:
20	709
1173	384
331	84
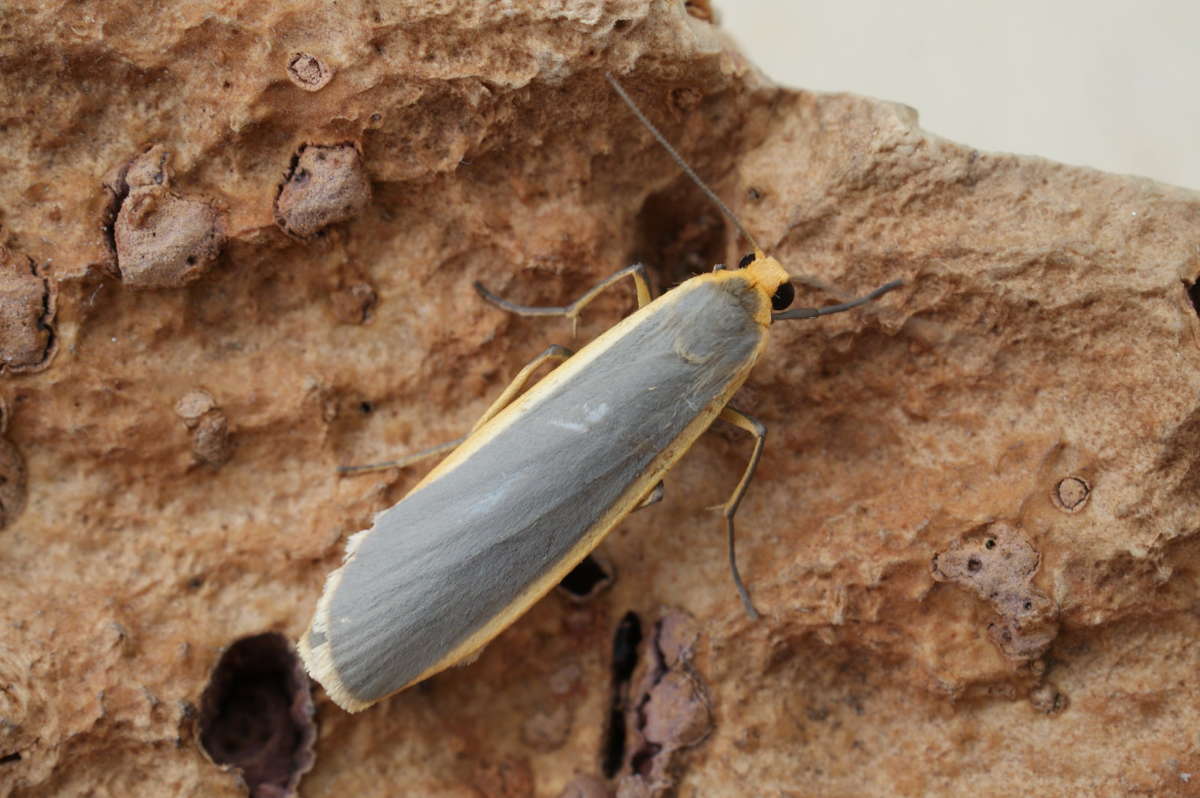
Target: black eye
784	295
746	261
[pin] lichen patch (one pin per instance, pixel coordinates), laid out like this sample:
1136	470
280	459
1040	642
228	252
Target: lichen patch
27	307
998	564
161	239
324	185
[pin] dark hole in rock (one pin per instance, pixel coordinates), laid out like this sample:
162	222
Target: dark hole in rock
643	759
586	579
679	233
625	647
13	757
990	543
974	564
256	715
1194	295
625	656
366	407
614	743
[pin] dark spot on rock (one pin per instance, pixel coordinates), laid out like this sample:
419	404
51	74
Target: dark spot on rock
592	576
974	564
324	185
622	24
1193	292
366	407
990	543
700	9
626	640
256	715
13	757
668	709
642	760
679	233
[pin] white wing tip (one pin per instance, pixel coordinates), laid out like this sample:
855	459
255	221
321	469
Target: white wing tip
318	659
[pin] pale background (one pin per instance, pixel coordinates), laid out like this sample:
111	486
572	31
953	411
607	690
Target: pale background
1104	83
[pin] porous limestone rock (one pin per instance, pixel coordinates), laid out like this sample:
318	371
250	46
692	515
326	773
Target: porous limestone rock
1046	339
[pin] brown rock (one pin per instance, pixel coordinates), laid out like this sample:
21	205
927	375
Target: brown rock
325	185
209	427
998	564
256	716
308	72
13	479
27	341
547	729
1046	332
162	240
666	710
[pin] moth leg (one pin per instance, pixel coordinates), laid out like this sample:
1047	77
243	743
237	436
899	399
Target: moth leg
755	428
653	497
572	311
406	460
553	352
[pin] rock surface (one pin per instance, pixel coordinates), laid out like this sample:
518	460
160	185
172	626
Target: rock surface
1046	340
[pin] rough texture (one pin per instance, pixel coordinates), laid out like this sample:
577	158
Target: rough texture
998	565
160	239
12	479
325	185
27	341
1046	332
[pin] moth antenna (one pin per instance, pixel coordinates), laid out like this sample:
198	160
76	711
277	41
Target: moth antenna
688	170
